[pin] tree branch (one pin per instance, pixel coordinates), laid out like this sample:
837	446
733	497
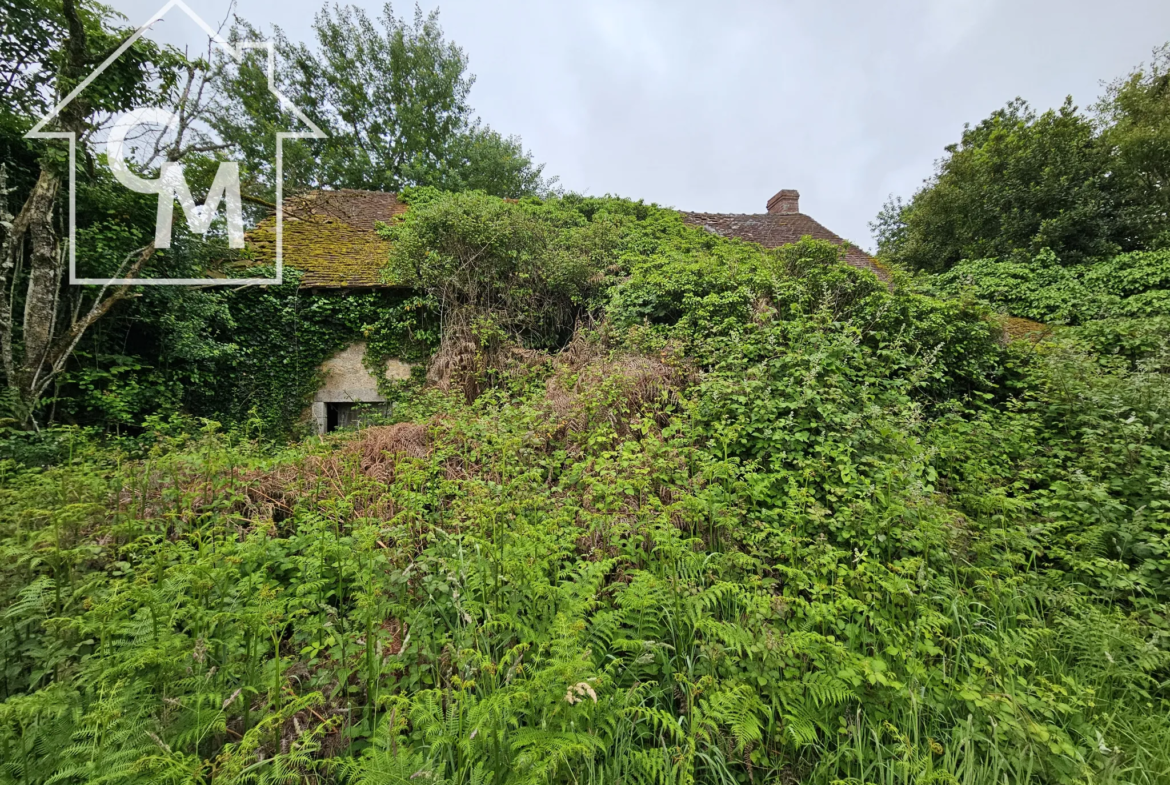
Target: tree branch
65	345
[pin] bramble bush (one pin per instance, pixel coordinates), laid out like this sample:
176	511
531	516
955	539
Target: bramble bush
1128	286
758	518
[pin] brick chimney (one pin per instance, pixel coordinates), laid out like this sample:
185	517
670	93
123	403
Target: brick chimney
787	202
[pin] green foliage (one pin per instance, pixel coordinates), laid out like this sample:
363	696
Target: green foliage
1129	285
712	514
1136	344
1136	114
390	94
34	64
251	355
1015	183
28	28
1084	187
528	268
480	158
274	340
768	520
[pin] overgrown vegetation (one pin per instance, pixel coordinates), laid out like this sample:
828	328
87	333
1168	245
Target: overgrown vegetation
1130	285
393	98
667	507
743	516
1084	186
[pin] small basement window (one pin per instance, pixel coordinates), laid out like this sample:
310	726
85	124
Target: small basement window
338	415
352	414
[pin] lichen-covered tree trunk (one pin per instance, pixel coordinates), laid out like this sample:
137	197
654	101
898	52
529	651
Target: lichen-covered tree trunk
40	304
8	257
36	354
36	345
24	365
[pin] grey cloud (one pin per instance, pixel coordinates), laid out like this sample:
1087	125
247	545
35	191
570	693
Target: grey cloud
716	106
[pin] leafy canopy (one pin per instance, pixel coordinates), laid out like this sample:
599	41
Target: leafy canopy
1083	186
1015	183
391	94
1132	285
1135	113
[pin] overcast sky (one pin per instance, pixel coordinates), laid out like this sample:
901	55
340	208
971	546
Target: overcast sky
716	106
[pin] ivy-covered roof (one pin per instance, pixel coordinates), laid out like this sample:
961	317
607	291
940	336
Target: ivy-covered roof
781	226
329	236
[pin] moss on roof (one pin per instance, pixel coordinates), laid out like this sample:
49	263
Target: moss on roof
329	236
329	253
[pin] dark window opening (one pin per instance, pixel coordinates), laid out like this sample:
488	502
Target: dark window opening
337	415
350	414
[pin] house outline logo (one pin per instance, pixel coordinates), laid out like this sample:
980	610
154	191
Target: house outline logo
237	54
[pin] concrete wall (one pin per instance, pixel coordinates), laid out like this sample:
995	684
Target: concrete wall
348	381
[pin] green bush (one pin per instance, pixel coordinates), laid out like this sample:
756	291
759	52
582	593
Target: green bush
1129	285
529	266
765	520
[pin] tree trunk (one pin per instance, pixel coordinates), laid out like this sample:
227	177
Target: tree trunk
40	304
24	374
9	253
35	355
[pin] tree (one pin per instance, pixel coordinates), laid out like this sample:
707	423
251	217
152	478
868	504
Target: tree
1135	116
527	266
1015	184
392	97
479	158
35	347
26	33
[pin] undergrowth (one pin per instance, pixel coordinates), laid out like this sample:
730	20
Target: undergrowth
761	519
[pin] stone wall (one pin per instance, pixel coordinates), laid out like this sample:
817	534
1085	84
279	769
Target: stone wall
347	380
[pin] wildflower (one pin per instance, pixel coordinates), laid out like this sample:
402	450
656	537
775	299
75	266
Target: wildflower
581	689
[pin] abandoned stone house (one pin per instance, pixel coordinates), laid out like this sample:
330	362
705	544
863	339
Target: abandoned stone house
330	238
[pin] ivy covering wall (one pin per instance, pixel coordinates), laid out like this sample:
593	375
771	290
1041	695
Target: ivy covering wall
251	354
284	335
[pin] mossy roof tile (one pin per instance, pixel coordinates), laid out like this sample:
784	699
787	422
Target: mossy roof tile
773	230
329	236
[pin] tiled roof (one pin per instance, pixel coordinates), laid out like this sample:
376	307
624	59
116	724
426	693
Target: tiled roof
773	230
329	236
